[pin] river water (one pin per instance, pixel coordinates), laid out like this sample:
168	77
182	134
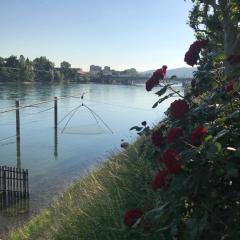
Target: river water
55	160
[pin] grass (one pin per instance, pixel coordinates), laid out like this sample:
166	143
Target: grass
93	207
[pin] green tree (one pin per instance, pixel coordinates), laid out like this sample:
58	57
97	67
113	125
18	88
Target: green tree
65	65
66	70
26	69
58	76
3	70
2	62
44	69
12	62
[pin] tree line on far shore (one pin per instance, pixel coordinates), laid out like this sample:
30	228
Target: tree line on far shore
41	69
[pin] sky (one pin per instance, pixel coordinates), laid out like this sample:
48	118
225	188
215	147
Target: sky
141	34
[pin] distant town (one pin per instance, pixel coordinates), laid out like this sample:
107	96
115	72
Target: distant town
96	71
132	76
41	69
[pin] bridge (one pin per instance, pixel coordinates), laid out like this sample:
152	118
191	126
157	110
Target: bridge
129	80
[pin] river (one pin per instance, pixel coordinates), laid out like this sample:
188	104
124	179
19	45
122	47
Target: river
53	160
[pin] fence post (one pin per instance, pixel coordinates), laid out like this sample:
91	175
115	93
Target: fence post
4	187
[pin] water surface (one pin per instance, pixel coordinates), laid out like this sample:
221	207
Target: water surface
55	160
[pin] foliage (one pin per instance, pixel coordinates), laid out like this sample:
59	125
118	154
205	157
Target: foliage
14	69
198	174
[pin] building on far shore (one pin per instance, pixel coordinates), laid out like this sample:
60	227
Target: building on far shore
107	71
95	70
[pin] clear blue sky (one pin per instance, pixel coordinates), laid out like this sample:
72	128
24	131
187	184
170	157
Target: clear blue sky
144	34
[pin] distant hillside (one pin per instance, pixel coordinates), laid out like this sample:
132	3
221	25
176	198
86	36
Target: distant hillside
184	72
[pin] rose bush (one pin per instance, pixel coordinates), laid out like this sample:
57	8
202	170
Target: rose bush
159	180
200	159
174	134
172	160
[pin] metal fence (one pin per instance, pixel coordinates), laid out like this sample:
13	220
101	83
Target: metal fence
13	185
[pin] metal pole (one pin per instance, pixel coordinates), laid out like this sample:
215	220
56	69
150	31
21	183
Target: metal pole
18	134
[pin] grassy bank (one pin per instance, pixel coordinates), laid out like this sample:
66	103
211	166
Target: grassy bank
93	207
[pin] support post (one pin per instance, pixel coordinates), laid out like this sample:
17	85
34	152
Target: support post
55	112
18	134
55	127
17	119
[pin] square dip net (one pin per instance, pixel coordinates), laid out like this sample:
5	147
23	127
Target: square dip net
83	120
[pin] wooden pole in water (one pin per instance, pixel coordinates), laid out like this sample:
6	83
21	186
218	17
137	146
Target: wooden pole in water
18	134
17	119
55	127
55	112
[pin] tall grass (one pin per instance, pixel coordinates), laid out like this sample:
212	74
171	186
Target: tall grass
93	207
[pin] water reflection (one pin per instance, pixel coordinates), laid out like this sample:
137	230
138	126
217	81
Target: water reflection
55	143
18	152
15	208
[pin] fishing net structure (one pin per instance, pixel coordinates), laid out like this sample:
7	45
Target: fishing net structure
84	121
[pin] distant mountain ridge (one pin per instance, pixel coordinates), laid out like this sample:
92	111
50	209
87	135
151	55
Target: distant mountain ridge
183	72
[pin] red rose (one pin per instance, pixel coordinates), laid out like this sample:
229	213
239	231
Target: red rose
200	44
157	137
229	87
192	55
154	80
159	180
132	215
196	136
172	160
151	82
159	74
174	134
178	109
164	67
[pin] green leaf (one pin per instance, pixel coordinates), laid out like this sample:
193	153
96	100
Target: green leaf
163	99
136	128
218	147
163	90
155	104
157	212
220	134
207	138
